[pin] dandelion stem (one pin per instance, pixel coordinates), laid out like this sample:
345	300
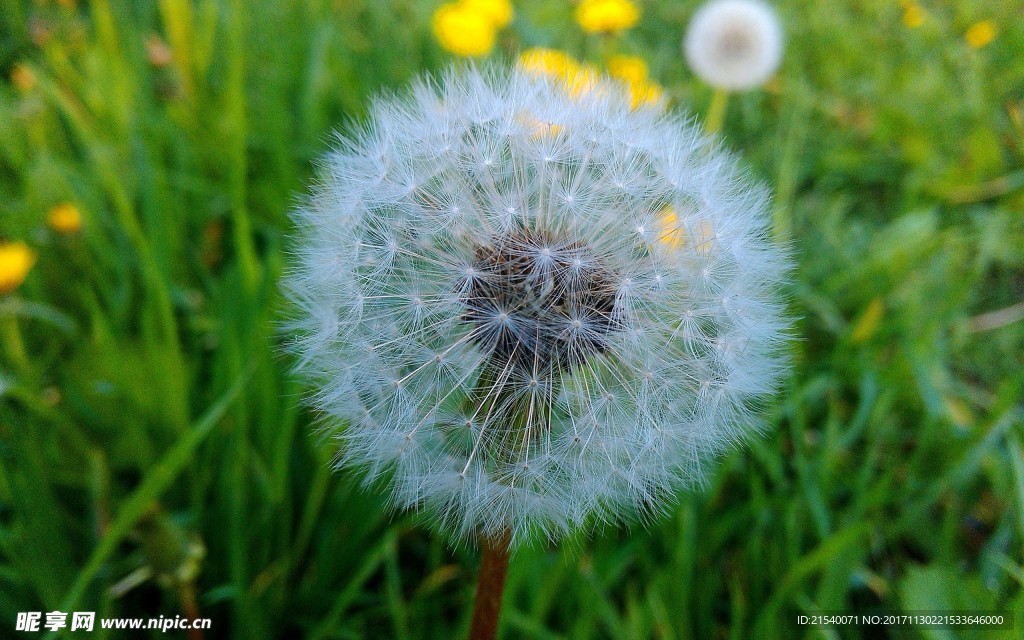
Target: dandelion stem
190	608
716	112
490	587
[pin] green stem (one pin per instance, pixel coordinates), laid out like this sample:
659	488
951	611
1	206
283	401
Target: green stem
716	112
13	342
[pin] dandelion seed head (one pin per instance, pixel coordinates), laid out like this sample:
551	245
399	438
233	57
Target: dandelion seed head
490	337
734	44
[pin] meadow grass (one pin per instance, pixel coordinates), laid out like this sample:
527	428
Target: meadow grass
155	457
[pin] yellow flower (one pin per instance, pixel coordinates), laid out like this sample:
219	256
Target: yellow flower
631	69
647	92
549	62
16	259
583	81
607	16
536	127
64	218
499	12
572	76
981	33
672	233
463	31
580	78
913	16
23	78
577	77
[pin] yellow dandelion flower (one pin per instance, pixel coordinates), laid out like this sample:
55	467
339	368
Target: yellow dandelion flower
644	93
16	259
463	31
548	62
499	12
64	218
583	80
631	69
536	127
23	78
981	33
913	16
607	16
672	233
576	78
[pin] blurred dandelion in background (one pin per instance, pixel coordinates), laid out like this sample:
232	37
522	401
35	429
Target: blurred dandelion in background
64	218
981	34
913	15
16	260
469	28
549	62
577	77
629	69
499	12
517	337
607	16
733	45
632	70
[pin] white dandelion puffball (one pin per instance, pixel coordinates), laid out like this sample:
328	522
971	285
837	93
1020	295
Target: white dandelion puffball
526	309
734	44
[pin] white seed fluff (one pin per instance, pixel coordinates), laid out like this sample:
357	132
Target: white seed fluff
528	311
734	44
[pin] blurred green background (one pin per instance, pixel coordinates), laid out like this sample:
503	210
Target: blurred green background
155	458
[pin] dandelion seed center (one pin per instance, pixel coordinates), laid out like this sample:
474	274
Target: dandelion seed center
735	44
552	300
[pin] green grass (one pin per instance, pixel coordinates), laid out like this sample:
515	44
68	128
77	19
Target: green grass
154	415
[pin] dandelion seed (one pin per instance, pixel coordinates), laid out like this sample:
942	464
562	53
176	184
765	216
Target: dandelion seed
536	362
734	44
